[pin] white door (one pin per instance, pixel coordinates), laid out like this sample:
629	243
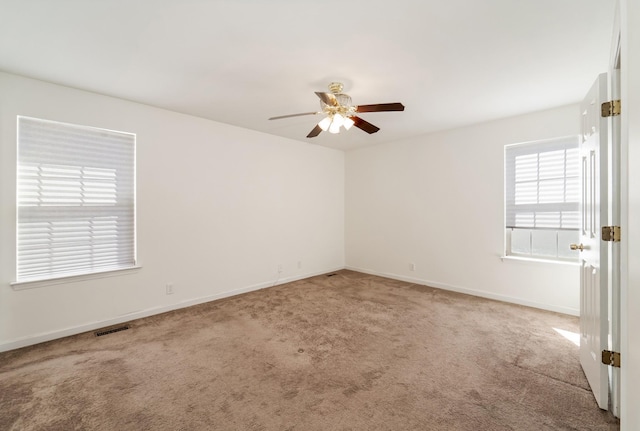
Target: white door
593	256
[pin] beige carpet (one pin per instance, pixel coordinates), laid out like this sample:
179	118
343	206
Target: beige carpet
343	352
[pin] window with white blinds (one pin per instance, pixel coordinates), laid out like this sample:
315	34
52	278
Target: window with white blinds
76	200
542	182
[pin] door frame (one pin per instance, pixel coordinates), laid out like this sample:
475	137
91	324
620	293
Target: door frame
614	210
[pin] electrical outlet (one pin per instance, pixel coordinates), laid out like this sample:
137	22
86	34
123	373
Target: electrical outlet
279	267
412	266
299	264
169	288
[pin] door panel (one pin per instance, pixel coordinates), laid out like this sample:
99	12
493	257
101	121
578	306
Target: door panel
594	329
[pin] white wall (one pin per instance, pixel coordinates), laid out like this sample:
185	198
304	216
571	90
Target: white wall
437	201
219	208
630	274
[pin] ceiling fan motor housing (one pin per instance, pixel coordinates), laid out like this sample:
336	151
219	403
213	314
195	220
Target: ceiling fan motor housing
344	106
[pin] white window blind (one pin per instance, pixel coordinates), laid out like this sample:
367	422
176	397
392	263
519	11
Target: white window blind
76	200
542	184
542	181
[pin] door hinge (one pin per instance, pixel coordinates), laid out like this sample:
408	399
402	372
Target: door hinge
611	358
611	233
611	108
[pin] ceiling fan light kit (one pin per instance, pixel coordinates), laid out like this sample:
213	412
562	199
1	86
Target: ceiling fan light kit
341	112
325	123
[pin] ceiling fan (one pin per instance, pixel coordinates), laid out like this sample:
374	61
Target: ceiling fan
340	112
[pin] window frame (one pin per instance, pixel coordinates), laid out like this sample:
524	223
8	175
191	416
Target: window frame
112	200
511	208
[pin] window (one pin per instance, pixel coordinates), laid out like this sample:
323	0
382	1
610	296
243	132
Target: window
542	183
75	198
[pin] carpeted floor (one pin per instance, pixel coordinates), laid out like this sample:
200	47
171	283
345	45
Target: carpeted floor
343	352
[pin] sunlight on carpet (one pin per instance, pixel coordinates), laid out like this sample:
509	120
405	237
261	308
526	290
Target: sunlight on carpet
574	337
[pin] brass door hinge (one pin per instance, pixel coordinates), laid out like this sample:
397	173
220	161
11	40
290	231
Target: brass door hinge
611	358
611	233
611	108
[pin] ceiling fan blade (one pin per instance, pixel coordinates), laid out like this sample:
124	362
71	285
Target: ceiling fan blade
315	132
293	115
364	125
328	98
380	107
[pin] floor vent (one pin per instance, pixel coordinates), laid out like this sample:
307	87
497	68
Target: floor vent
331	275
102	332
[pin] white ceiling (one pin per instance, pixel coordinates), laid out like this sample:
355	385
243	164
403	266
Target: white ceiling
451	63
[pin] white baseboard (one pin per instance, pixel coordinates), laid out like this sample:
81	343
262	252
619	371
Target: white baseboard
474	292
53	335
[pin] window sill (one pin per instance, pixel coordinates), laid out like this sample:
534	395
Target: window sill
538	260
32	284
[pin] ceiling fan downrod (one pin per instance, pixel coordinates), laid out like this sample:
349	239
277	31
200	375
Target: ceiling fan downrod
336	87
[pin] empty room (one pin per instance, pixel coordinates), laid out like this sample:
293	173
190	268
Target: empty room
363	215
